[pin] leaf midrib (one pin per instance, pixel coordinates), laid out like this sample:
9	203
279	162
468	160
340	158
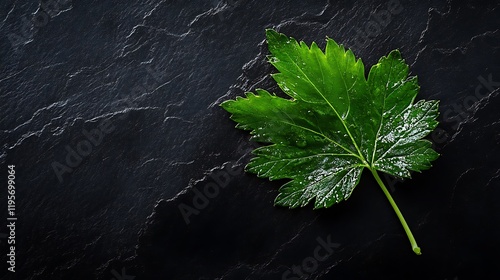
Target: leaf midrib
359	155
373	161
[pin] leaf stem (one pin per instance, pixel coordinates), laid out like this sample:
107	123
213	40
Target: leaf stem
413	242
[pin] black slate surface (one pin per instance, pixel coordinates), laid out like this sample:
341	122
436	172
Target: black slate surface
109	110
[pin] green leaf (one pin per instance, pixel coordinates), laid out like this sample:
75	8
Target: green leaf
335	123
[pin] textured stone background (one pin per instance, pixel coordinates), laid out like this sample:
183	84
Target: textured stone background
147	77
